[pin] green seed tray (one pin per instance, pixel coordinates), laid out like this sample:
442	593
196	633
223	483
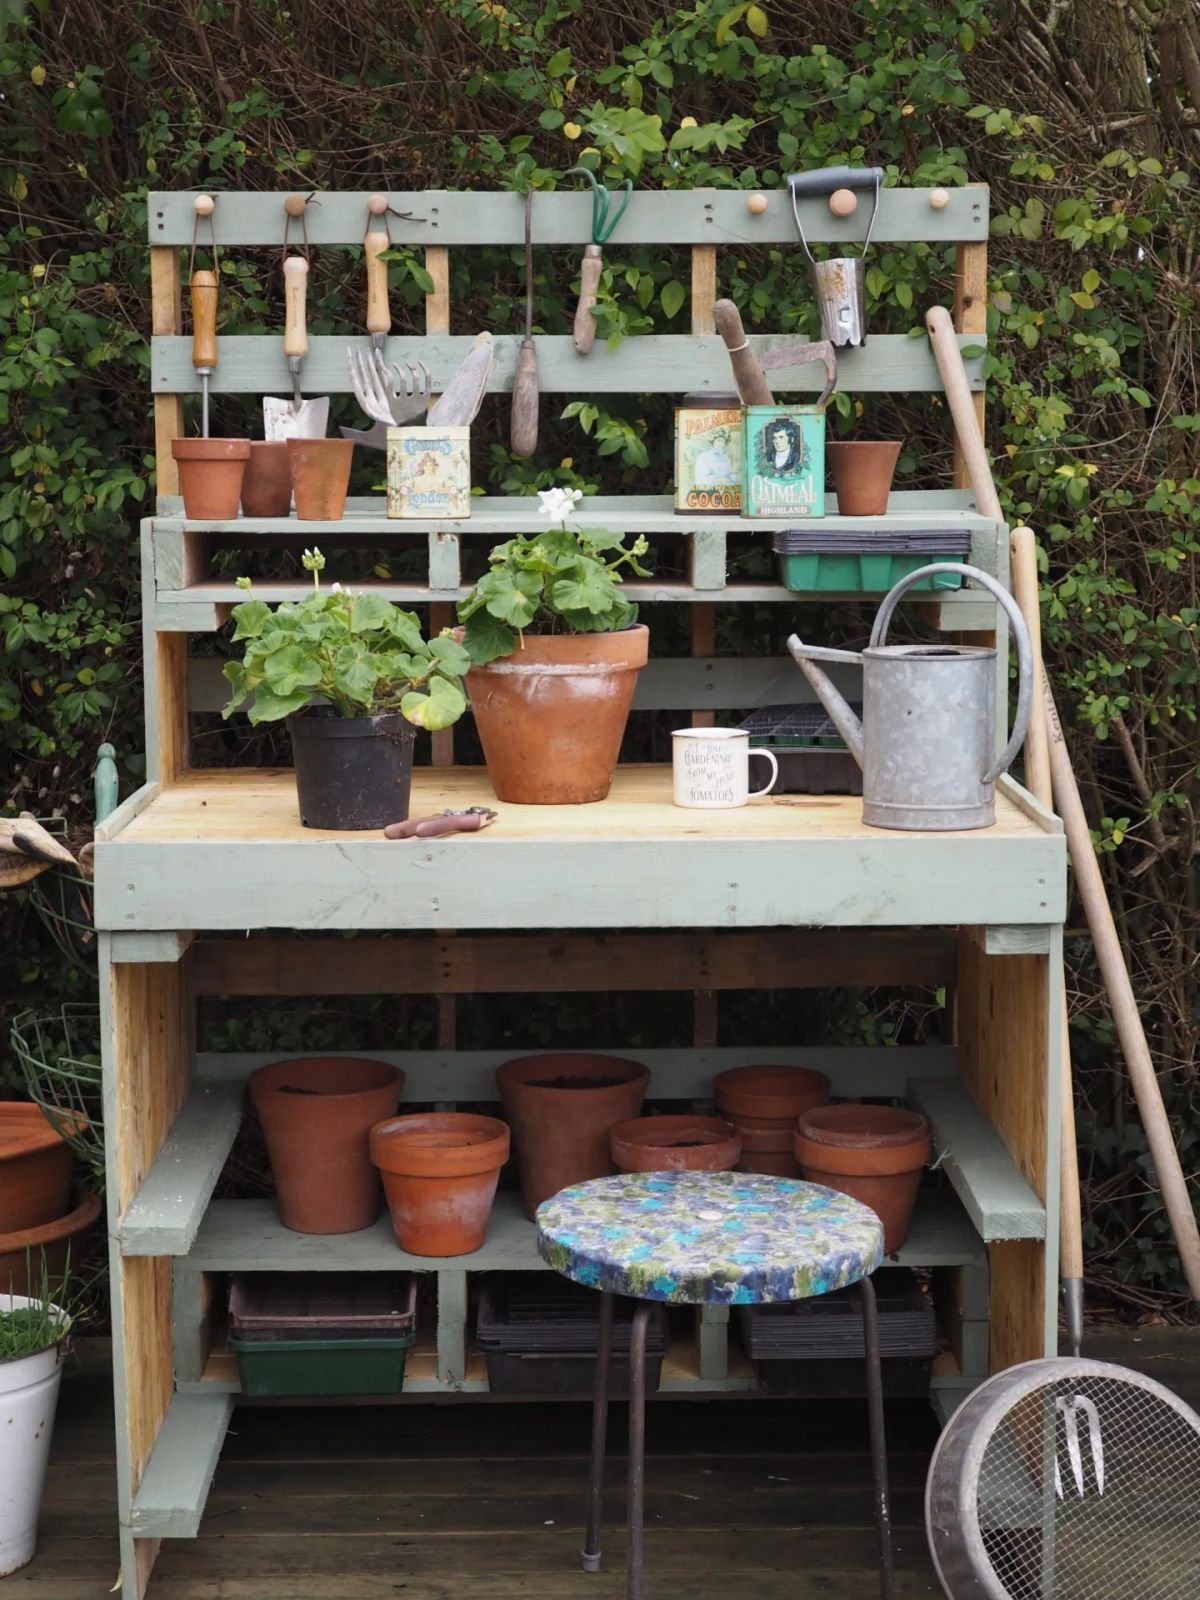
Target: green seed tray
858	574
316	1367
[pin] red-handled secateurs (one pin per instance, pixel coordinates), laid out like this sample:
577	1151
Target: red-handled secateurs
468	821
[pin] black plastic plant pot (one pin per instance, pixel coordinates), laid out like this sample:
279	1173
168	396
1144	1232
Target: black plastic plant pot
352	773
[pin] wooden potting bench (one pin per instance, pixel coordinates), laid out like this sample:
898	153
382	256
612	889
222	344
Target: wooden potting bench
790	893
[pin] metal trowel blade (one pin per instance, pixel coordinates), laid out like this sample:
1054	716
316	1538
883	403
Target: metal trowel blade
281	420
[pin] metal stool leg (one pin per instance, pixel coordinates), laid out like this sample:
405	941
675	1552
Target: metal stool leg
883	1516
591	1543
637	1448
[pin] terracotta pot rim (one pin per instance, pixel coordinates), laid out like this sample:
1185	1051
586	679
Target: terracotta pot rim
644	1144
337	446
41	1135
848	445
82	1215
210	449
261	1083
619	650
834	1126
440	1144
654	1133
520	1072
769	1090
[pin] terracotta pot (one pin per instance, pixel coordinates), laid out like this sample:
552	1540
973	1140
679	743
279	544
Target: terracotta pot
28	1253
862	474
210	476
440	1171
674	1144
320	477
768	1149
317	1114
772	1093
874	1153
36	1164
551	716
561	1108
267	485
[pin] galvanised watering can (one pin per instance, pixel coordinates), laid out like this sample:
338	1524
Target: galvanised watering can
927	740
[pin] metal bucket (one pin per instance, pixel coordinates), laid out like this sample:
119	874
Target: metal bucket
839	283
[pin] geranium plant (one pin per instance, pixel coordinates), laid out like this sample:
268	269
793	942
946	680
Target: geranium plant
562	580
358	651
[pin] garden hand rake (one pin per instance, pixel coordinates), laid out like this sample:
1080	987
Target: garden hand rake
391	396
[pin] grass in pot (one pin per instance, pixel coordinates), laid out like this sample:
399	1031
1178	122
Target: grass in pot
555	649
33	1341
355	678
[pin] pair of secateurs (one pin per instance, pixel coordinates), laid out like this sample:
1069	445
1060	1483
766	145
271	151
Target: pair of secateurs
469	820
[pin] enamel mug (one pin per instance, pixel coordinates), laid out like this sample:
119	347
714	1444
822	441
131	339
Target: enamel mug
711	768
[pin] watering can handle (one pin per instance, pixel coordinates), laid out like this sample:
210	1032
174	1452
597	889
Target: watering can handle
824	180
1020	632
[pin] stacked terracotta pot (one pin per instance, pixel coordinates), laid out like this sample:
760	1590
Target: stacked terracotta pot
874	1153
42	1213
763	1104
686	1143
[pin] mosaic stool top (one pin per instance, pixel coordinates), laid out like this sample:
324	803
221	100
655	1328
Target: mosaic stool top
708	1238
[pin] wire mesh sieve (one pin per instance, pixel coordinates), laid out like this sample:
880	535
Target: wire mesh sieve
1067	1480
59	1052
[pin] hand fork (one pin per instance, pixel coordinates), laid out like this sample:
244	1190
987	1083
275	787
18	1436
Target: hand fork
389	401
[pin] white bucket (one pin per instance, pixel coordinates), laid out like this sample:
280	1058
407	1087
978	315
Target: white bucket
28	1397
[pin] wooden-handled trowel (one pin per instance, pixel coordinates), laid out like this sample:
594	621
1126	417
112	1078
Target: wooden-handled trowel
296	418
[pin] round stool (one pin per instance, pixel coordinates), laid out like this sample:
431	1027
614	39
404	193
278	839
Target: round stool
709	1238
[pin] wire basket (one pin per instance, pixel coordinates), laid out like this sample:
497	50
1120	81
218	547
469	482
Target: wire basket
59	1052
63	900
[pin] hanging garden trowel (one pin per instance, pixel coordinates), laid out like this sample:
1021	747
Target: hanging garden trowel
524	435
295	418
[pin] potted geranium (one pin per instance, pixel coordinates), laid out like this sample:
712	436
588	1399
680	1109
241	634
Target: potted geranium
555	650
33	1342
355	679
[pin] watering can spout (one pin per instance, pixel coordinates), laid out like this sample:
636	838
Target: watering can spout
806	657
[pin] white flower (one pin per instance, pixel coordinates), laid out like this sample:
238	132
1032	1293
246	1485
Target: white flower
337	588
558	504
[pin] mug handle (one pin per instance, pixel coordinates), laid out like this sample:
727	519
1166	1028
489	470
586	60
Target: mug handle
767	755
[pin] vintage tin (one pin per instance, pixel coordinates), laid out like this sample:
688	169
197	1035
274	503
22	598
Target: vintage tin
429	472
708	454
783	452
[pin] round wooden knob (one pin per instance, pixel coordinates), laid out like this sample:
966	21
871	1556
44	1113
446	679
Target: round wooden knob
203	205
757	204
377	204
843	202
294	205
939	199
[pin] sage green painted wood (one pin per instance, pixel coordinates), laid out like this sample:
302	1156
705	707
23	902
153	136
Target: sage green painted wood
976	1342
667	217
187	1342
1016	941
1047	820
132	806
713	1336
131	948
445	561
999	1200
452	1325
170	1499
655	363
453	1076
165	1214
708	558
684	881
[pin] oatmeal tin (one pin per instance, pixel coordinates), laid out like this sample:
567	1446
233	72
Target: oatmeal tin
783	454
429	472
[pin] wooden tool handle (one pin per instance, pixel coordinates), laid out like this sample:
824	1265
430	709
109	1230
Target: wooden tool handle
751	382
589	284
295	298
379	318
204	320
944	339
524	434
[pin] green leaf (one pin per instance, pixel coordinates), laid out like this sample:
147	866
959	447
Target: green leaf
291	669
405	628
904	294
486	637
450	655
559	62
369	612
756	21
420	277
251	617
443	705
728	22
591	593
271	707
512	597
551	118
673	296
356	671
1090	281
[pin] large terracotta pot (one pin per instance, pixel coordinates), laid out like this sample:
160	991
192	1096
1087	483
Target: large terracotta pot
862	474
440	1171
875	1153
29	1254
317	1114
320	477
560	1108
210	476
675	1144
551	715
763	1103
36	1164
267	485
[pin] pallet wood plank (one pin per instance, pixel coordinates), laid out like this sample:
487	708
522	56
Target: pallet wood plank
170	1500
998	1198
166	320
165	1214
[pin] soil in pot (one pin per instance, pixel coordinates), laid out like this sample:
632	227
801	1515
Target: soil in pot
320	471
317	1114
862	474
27	1255
769	1094
551	716
561	1133
210	476
36	1165
352	773
440	1171
674	1144
875	1153
267	485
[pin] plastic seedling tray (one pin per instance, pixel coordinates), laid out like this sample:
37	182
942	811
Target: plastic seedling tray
539	1335
811	755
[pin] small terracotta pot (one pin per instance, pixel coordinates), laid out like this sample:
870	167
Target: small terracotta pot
551	716
674	1144
440	1171
767	1148
28	1254
36	1164
875	1153
320	477
210	476
561	1108
267	485
317	1114
769	1092
862	474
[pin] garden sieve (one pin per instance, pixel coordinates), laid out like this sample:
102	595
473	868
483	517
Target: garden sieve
1067	1480
840	282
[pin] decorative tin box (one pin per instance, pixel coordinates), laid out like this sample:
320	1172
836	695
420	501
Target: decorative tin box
708	453
784	461
429	472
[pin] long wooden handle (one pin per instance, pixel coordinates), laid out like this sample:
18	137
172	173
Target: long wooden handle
752	386
946	353
295	302
379	317
524	434
204	320
590	272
